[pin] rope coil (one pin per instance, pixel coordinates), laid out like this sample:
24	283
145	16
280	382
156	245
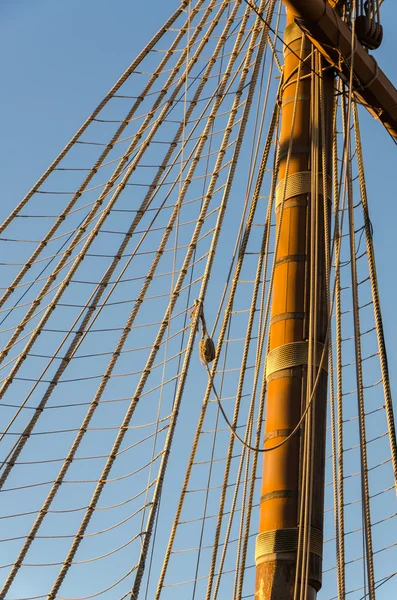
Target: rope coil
279	541
291	355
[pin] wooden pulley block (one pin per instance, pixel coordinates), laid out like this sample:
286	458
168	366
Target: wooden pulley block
368	32
207	349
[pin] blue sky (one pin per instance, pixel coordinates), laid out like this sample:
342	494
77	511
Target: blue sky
59	58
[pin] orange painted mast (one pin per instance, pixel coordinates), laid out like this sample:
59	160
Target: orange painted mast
287	361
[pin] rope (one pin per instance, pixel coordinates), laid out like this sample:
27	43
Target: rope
83	187
255	74
198	313
207	393
375	298
95	297
339	506
360	399
191	247
136	396
81	230
305	518
338	230
223	56
103	103
263	326
248	496
236	486
113	209
253	160
187	304
321	366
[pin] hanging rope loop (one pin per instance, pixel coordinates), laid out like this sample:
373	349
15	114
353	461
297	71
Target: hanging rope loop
206	345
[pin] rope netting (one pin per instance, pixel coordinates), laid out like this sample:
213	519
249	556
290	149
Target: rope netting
120	476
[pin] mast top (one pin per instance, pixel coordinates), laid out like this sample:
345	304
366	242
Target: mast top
341	48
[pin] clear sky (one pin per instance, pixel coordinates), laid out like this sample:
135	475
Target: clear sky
58	58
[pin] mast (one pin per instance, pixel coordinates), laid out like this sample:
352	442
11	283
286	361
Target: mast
289	545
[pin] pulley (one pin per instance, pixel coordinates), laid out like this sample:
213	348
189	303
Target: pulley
368	29
206	345
207	349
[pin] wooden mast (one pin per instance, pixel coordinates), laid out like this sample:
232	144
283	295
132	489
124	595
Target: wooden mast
287	362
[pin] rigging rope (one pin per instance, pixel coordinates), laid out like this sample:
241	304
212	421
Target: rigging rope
89	331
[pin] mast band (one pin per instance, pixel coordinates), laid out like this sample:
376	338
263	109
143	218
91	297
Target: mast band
279	541
292	33
297	184
279	495
298	316
293	355
296	98
279	433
